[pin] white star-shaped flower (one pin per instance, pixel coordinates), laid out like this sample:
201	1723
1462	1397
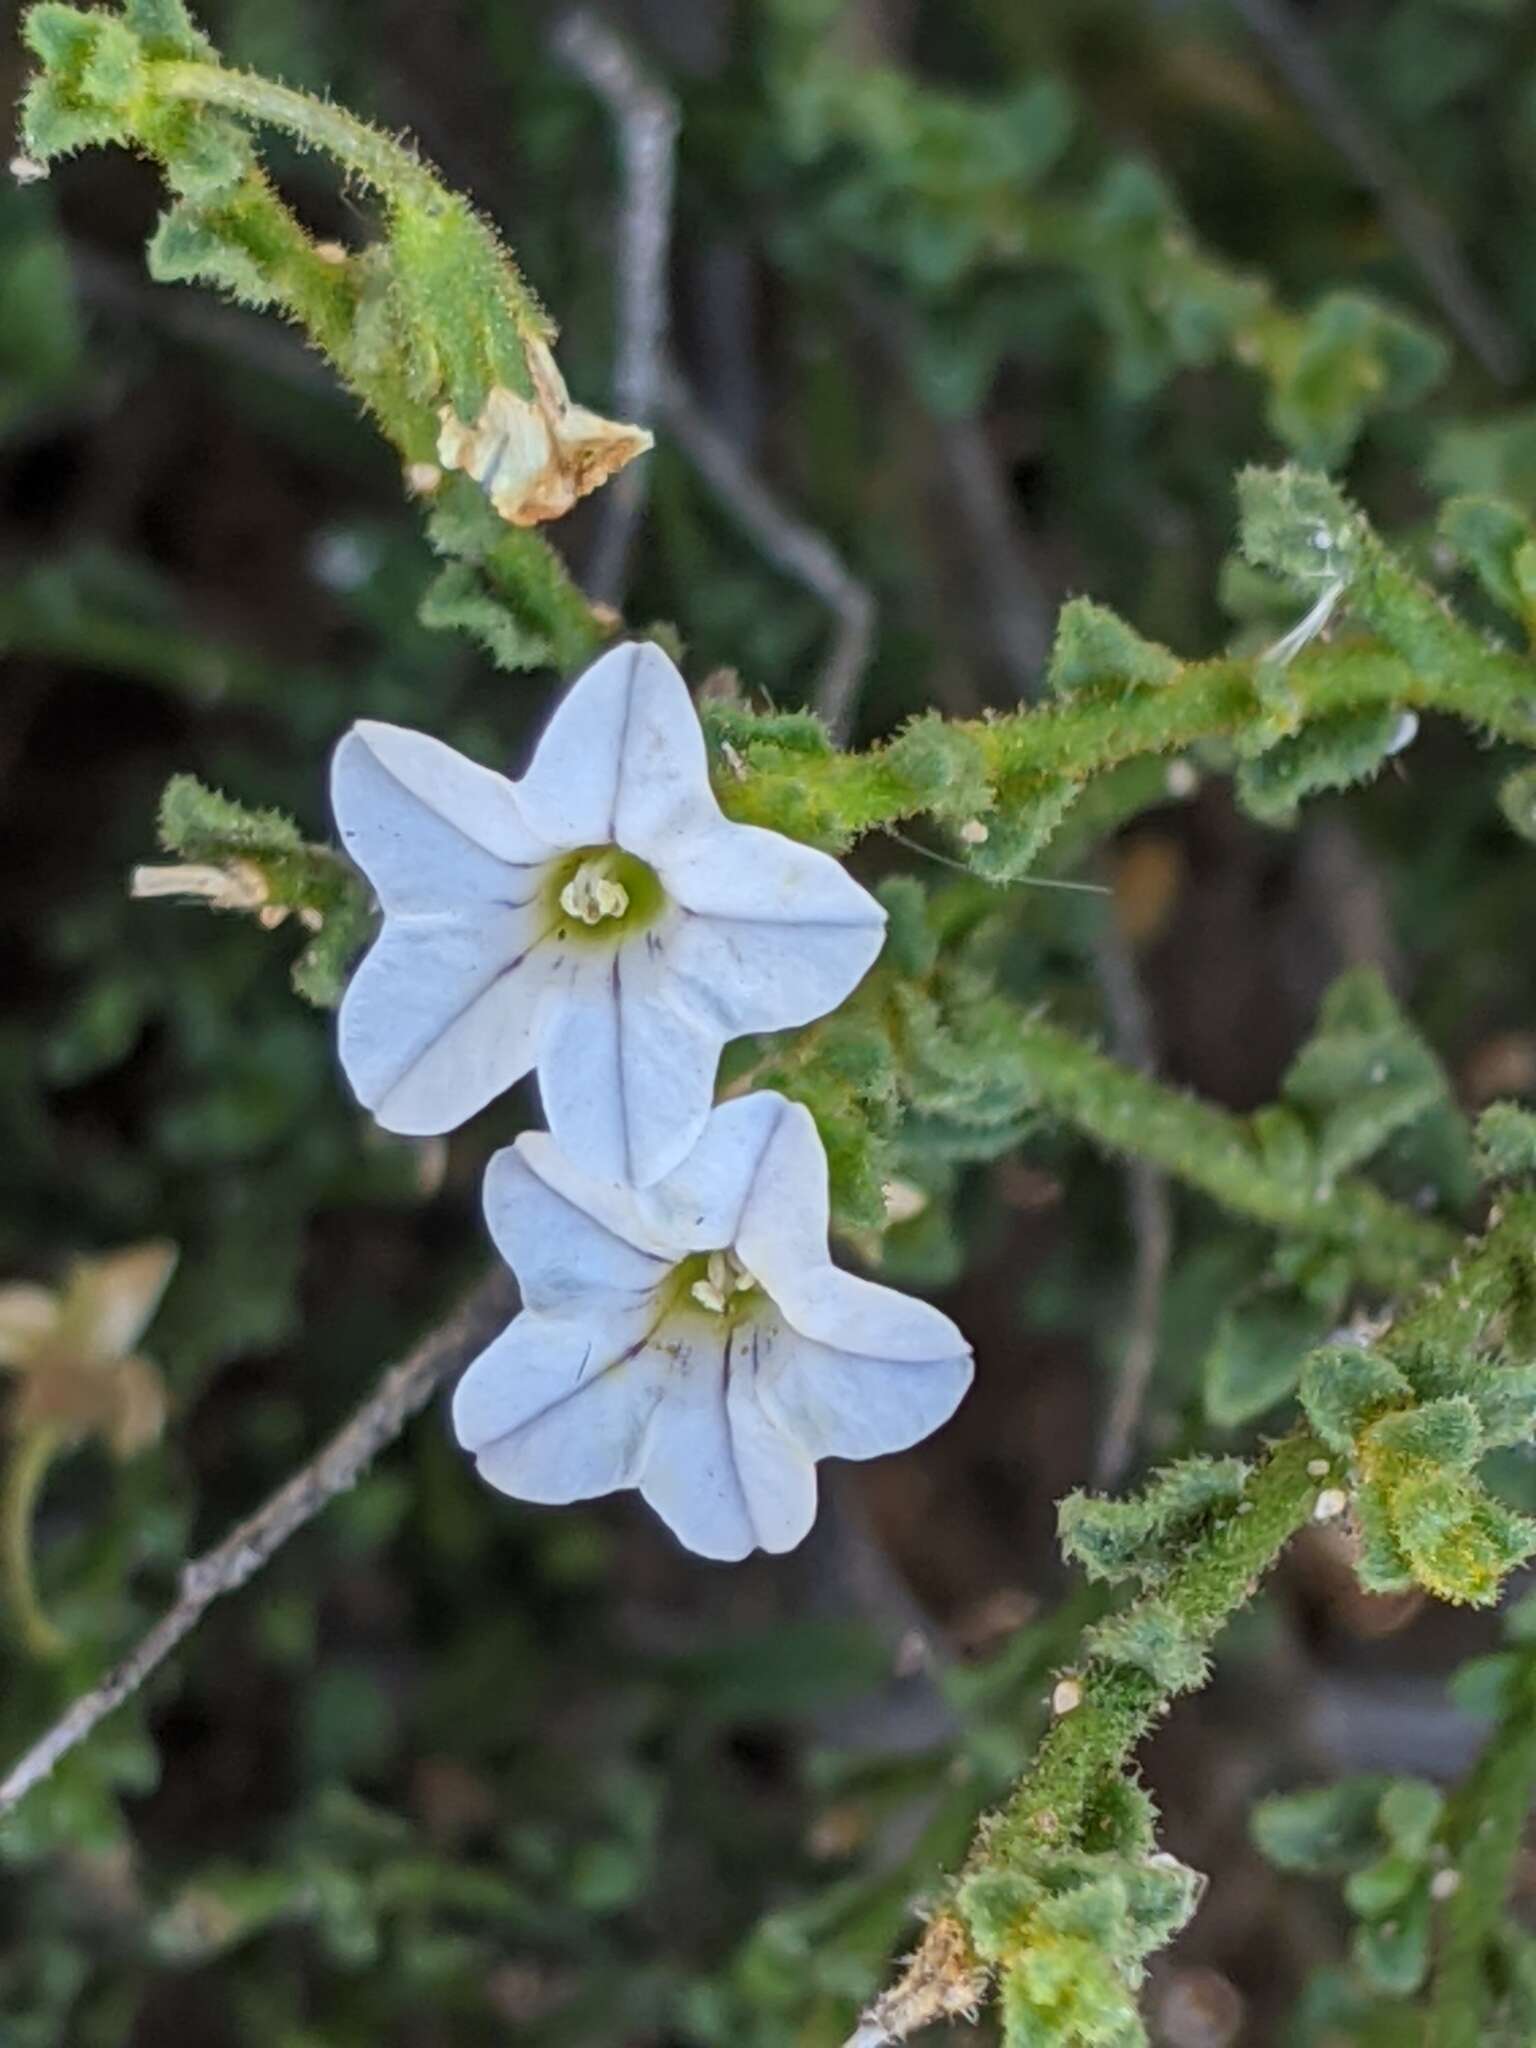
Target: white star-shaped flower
601	920
694	1339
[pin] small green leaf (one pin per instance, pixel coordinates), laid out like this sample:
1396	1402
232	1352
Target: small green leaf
1019	831
1393	1954
203	824
1446	1433
1375	1890
1411	1812
1344	1387
1323	1830
459	600
1116	1539
1152	1637
1488	534
1256	1355
1299	524
1094	645
189	247
1506	1142
1458	1540
1333	752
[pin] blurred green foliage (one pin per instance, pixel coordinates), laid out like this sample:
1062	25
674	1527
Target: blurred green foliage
454	1771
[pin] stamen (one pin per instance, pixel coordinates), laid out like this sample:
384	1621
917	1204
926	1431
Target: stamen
725	1275
592	894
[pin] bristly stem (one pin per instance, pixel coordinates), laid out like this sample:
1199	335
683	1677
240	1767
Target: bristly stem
1487	1824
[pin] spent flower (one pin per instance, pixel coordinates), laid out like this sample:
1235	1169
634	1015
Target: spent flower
693	1339
73	1350
599	920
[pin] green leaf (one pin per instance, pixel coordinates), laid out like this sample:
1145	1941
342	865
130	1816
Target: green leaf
1517	800
1332	752
166	28
1142	1536
1364	1075
189	247
1506	1140
1411	1812
205	825
1488	534
1093	645
1344	1387
1256	1355
1299	524
1375	1890
1354	355
1444	1432
459	600
1327	1829
1152	1637
1019	831
1458	1540
60	36
1393	1954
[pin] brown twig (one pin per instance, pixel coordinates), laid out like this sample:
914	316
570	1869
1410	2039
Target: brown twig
1420	230
1150	1211
403	1392
645	122
797	549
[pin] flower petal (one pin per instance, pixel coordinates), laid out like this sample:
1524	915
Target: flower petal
111	1301
443	1015
568	1238
431	830
700	1204
756	974
626	1073
559	1408
28	1314
622	761
838	1404
782	1240
781	1229
752	883
863	1318
722	1477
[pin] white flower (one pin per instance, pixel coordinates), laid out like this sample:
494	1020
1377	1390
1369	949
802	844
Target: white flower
693	1339
600	920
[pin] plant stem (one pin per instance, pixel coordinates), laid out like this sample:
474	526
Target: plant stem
1488	1823
1213	1151
377	158
31	1455
837	798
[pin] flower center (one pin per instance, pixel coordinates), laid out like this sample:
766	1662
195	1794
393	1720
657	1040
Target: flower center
592	893
600	892
723	1279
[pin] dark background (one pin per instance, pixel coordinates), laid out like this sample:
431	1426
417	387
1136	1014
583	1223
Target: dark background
457	1771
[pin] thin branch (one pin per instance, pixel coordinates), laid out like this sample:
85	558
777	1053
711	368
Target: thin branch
646	122
403	1392
1420	229
790	545
1148	1207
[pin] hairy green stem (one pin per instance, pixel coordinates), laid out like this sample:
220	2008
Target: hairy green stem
833	799
395	171
1113	1704
1209	1149
1118	1705
1488	1823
